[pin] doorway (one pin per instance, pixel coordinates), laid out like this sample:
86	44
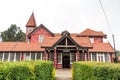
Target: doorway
66	61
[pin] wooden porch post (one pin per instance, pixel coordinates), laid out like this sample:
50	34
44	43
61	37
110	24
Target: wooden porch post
78	55
83	55
45	55
55	57
88	58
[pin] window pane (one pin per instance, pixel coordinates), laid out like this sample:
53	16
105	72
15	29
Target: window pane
27	56
6	56
41	38
51	56
17	56
1	55
106	57
94	57
33	56
81	57
40	56
59	60
72	57
11	56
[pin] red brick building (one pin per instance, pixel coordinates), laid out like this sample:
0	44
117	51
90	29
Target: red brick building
62	49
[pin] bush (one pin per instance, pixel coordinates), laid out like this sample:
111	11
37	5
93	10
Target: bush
95	71
26	70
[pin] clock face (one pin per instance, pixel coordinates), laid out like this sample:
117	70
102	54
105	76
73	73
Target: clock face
30	30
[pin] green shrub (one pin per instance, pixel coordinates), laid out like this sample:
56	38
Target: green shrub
26	70
96	71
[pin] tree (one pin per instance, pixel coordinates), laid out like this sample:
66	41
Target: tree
13	34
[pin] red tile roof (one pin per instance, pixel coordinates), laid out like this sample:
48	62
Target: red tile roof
102	47
83	41
89	32
20	46
50	41
31	22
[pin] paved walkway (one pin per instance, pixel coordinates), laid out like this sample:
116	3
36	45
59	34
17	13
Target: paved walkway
63	74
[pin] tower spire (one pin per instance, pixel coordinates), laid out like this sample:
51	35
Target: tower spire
31	22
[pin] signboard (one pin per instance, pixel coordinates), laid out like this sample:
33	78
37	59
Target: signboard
66	50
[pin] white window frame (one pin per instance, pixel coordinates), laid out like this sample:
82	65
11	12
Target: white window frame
41	56
1	56
91	39
14	57
100	55
107	56
27	56
71	58
60	59
92	56
41	38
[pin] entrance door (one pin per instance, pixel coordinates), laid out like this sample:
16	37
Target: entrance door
66	61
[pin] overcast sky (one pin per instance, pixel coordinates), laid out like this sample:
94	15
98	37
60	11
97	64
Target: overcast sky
59	15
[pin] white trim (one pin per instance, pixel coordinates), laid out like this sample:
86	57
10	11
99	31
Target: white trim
30	56
66	42
103	57
41	56
91	56
97	57
3	57
14	57
9	56
24	54
35	56
109	57
61	57
20	56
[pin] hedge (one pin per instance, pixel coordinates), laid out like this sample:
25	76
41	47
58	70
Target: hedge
27	70
95	71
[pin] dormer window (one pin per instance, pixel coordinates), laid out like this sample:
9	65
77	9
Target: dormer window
92	39
41	38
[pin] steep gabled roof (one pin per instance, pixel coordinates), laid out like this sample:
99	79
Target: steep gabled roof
41	26
89	32
102	47
31	22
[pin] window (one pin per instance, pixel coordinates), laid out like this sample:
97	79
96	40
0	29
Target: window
27	56
17	56
59	58
100	57
40	56
94	57
11	56
33	56
81	57
41	38
92	39
6	56
1	55
51	56
72	57
106	55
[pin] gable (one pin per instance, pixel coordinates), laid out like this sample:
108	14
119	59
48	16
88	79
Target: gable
41	30
65	41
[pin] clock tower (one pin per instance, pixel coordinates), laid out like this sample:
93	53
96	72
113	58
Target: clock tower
30	26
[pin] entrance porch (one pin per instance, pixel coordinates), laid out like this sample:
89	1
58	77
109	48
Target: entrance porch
64	59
